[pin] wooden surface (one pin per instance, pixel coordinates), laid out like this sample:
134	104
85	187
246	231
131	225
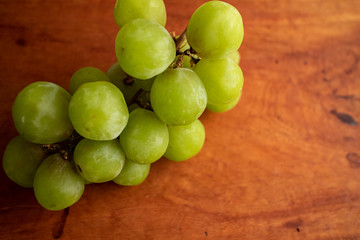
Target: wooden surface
284	164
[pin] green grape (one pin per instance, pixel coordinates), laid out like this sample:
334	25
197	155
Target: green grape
21	159
132	173
127	10
215	29
99	161
235	56
145	138
178	96
145	84
117	77
144	49
223	79
133	106
98	111
56	183
40	113
185	141
84	75
224	107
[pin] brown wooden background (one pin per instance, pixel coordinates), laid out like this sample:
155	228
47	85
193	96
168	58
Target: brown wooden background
284	164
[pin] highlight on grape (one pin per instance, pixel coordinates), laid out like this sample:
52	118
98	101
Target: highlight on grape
112	126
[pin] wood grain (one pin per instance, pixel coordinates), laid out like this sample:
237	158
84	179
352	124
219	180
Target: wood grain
284	164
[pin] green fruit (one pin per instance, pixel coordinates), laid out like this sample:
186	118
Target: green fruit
99	161
145	138
127	10
56	183
144	49
21	160
185	141
178	96
222	78
40	113
215	29
132	174
84	75
98	111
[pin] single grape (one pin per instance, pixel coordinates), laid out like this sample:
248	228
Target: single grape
99	161
145	138
117	77
224	107
185	141
84	75
56	183
145	84
144	49
98	111
127	10
223	79
132	173
21	159
215	29
178	96
40	113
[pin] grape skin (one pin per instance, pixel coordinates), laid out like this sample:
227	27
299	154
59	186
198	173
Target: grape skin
224	107
185	141
99	161
215	29
21	160
145	138
98	111
56	183
178	96
127	10
84	75
144	49
40	113
223	79
132	174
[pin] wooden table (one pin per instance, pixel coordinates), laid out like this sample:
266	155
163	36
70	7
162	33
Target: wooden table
284	164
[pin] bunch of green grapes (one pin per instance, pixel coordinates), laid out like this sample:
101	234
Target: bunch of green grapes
112	126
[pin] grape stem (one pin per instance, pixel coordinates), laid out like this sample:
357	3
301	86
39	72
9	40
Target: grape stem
65	148
129	80
179	41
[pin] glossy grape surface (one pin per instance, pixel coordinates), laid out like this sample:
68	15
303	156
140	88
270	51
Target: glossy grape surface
145	138
127	10
21	160
185	141
99	161
224	107
57	184
84	75
98	111
223	79
178	96
132	173
144	49
40	113
215	29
